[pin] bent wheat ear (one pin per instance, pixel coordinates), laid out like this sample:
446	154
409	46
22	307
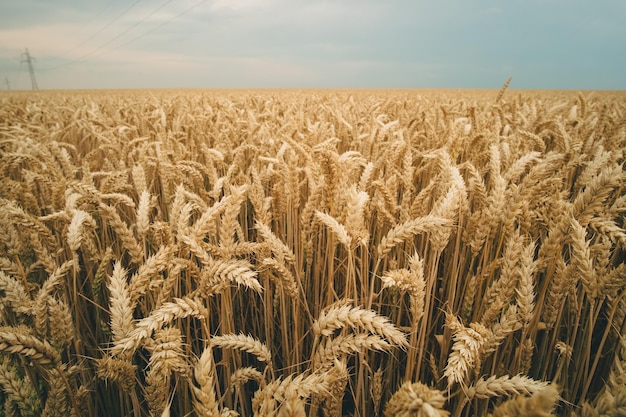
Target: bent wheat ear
147	275
139	179
75	231
540	404
412	281
355	216
504	386
338	377
525	291
218	274
408	230
246	343
16	341
120	304
342	316
466	349
348	345
286	278
266	399
14	295
177	309
338	229
41	302
61	324
416	399
166	357
143	214
206	223
282	252
204	401
581	259
121	371
500	293
376	389
293	403
122	231
245	374
18	390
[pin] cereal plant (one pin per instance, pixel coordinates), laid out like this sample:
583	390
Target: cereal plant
312	253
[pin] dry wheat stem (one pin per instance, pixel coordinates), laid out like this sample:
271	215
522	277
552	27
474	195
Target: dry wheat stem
480	232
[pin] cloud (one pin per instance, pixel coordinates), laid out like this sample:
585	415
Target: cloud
412	43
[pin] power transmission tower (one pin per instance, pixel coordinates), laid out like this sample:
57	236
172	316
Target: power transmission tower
29	60
6	83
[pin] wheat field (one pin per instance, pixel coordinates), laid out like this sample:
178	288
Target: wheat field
312	253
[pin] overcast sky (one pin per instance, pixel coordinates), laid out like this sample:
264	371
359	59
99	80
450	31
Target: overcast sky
543	44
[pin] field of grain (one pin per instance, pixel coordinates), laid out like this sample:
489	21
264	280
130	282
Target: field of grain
312	253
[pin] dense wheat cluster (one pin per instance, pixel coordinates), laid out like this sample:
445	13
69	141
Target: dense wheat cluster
312	253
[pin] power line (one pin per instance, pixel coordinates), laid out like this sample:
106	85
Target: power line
128	29
93	35
97	15
162	24
99	31
95	53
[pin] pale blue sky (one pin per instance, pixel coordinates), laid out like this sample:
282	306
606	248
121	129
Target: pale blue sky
542	44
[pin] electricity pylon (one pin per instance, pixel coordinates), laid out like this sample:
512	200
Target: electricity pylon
6	83
29	60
